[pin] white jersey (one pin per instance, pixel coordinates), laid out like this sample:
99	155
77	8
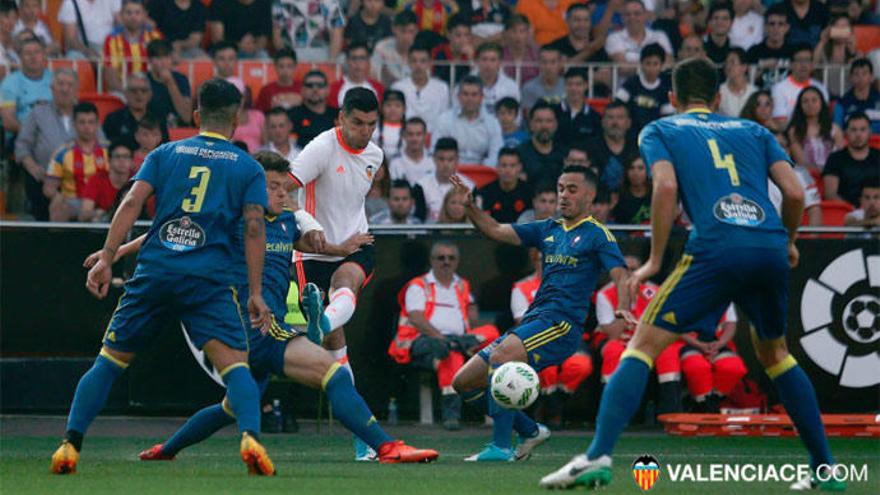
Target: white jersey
335	180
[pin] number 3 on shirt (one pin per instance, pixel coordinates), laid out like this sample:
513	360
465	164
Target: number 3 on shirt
725	162
194	204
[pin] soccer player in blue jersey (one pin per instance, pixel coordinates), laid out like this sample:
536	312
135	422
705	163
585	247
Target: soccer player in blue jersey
206	188
739	250
575	250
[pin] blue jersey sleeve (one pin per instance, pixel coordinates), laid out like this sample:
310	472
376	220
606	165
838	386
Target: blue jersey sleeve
772	150
609	252
652	147
149	171
531	234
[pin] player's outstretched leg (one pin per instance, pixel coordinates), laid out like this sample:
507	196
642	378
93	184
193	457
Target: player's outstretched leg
197	428
90	397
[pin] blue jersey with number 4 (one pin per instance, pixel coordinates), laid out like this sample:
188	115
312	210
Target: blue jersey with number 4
201	185
722	165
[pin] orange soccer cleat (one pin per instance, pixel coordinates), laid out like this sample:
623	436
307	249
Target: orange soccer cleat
65	459
154	453
254	455
399	452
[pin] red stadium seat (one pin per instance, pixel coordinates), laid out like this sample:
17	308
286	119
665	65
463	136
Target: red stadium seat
820	184
480	174
84	70
105	102
599	104
867	37
255	74
197	72
874	141
833	212
178	133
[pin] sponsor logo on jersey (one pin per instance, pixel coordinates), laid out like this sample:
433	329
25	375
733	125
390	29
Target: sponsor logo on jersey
182	234
734	209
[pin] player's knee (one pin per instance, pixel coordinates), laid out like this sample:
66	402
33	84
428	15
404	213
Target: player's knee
118	356
511	349
771	353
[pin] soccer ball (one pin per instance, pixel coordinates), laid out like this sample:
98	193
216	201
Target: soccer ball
861	319
515	385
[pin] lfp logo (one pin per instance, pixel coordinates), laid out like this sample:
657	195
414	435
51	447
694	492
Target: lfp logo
646	472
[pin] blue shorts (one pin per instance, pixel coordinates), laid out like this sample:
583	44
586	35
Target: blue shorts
266	354
548	341
208	310
699	289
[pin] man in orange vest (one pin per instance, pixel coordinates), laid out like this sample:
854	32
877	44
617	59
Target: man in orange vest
434	331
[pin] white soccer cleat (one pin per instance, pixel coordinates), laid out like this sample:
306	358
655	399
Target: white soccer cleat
580	471
527	445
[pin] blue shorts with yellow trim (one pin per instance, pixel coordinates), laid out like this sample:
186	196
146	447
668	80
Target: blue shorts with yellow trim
548	341
266	354
208	310
699	289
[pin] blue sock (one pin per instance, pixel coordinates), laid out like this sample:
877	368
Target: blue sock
91	395
244	397
198	427
502	427
524	425
799	398
351	410
619	402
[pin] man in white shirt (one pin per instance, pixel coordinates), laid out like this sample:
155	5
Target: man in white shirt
786	91
278	130
496	84
415	162
390	55
624	46
98	18
431	189
549	85
477	132
748	25
426	97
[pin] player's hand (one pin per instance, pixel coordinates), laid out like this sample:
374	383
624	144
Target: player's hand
638	277
462	189
628	318
794	255
92	259
98	279
354	243
316	239
259	313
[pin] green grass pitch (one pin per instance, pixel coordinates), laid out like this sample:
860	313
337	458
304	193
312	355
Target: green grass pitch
322	464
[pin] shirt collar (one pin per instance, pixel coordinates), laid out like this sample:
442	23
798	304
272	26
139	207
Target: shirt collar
431	279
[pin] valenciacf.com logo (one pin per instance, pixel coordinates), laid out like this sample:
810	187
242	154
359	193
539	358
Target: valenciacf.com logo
646	471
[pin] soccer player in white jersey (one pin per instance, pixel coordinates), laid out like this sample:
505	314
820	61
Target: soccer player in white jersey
335	172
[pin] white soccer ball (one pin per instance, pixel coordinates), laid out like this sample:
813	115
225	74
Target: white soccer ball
515	385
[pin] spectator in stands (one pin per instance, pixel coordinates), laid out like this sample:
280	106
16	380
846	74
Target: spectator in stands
24	88
812	134
812	199
717	42
520	55
430	190
102	189
579	46
438	316
46	128
849	167
283	92
182	23
455	56
85	26
225	57
251	127
477	132
577	155
9	60
507	197
862	97
389	129
507	112
543	205
542	155
577	121
314	28
369	24
625	46
549	85
390	55
278	134
121	124
148	137
868	214
496	84
171	99
773	49
547	16
127	45
807	19
691	46
414	162
314	116
748	26
400	206
837	46
377	197
452	210
487	17
74	164
634	203
759	108
232	20
608	152
30	14
646	94
426	97
736	88
433	15
600	209
787	91
357	65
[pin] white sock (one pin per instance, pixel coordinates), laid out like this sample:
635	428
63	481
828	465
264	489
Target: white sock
341	356
341	307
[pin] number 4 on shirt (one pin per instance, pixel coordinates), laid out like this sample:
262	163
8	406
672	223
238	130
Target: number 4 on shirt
194	204
725	162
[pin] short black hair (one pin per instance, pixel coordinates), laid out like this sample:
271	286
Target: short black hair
516	20
119	143
218	101
695	80
420	47
652	50
149	122
573	72
603	195
719	6
7	6
159	48
870	182
551	48
285	53
861	62
277	111
777	9
544	188
360	99
507	103
588	174
615	104
416	121
84	107
490	46
800	47
541	105
458	20
222	45
471	80
857	116
739	52
509	151
405	18
357	44
575	7
446	144
272	162
401	184
315	73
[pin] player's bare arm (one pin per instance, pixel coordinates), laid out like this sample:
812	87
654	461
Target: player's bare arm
785	179
255	253
620	275
130	247
487	225
350	246
664	201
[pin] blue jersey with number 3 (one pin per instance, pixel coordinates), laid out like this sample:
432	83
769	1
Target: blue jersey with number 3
201	186
722	165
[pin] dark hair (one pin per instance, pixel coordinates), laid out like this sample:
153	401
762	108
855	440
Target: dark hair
507	103
798	122
869	182
7	6
800	47
159	48
588	174
471	80
218	101
241	145
394	95
30	39
509	151
777	9
695	80
357	44
490	46
739	52
405	18
749	110
516	20
285	53
541	105
149	122
861	62
603	195
416	121
573	72
315	73
575	7
119	143
401	184
446	144
420	47
458	20
222	45
551	48
629	162
857	116
544	188
84	107
719	6
652	50
137	2
615	104
360	99
277	111
272	162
